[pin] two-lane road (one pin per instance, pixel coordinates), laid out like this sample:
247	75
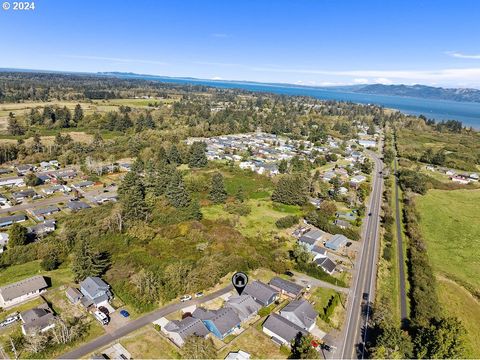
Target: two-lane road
363	288
106	339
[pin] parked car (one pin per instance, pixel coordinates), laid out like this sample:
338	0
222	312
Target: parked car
199	294
124	313
186	298
104	310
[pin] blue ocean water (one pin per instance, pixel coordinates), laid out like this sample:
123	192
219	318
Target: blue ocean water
466	112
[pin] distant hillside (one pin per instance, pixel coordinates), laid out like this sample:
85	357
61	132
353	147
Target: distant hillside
422	91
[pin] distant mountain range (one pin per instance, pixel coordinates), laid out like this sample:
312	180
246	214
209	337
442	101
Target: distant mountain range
421	91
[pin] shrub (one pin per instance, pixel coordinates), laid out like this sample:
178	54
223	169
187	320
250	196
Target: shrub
287	221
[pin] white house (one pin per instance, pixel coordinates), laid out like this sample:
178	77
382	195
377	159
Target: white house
21	291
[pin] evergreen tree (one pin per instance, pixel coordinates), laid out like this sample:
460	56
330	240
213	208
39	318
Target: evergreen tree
17	235
240	195
177	194
32	180
174	155
197	155
87	261
78	113
132	196
301	348
283	166
218	194
14	127
291	190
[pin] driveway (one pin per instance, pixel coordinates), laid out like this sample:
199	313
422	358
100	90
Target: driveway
303	280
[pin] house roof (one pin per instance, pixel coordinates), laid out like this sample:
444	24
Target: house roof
12	218
282	327
312	236
45	210
37	318
319	250
77	205
326	264
224	319
73	293
337	240
186	327
286	285
24	193
42	228
92	285
260	291
19	288
238	355
244	306
302	311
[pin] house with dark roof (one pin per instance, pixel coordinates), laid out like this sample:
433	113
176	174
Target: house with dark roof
301	313
83	184
319	252
20	291
43	228
40	213
262	293
179	330
286	287
326	264
244	305
221	322
73	295
77	205
39	319
9	220
96	290
281	330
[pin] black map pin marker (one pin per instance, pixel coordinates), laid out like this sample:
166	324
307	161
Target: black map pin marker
239	281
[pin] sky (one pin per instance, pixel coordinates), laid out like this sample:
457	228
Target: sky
308	42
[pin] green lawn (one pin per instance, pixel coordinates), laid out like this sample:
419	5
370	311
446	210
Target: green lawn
14	273
449	221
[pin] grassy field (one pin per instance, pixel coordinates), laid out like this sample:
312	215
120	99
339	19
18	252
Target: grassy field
459	302
450	225
60	276
147	343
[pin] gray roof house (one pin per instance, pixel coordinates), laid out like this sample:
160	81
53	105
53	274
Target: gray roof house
95	289
40	213
221	322
179	330
311	237
43	228
244	305
73	295
326	264
77	205
262	293
9	220
286	287
301	313
336	242
21	291
37	319
281	330
20	195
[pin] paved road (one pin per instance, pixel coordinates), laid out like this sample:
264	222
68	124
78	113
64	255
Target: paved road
363	289
106	339
36	204
303	280
401	260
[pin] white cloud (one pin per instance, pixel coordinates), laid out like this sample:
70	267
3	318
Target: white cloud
460	55
217	78
114	59
383	80
361	81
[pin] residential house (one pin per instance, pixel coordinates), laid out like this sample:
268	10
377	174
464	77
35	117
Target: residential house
221	322
367	143
83	184
23	169
311	237
38	319
12	182
343	224
9	220
357	179
104	198
179	330
348	216
281	330
23	290
328	176
73	295
326	264
96	290
56	188
44	228
19	196
40	213
262	293
77	205
3	199
301	313
286	287
319	252
244	305
336	242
